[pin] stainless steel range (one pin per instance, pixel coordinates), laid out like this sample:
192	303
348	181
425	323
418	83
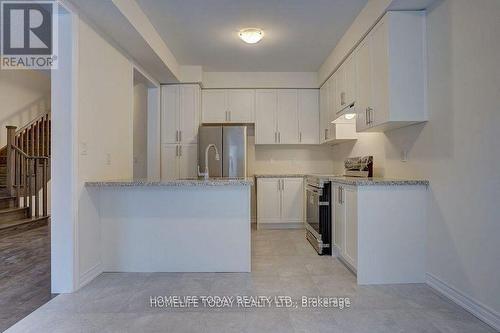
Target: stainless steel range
319	214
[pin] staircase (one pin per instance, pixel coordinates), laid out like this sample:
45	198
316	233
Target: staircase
24	174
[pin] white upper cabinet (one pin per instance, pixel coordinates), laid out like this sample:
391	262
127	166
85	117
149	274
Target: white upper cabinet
214	106
333	130
364	98
324	123
348	91
241	105
345	89
180	113
391	73
170	114
189	115
287	125
308	108
228	105
286	116
265	116
180	119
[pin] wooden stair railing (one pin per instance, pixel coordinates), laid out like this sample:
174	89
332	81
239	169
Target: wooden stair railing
28	158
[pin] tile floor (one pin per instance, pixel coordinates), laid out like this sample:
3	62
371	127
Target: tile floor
283	263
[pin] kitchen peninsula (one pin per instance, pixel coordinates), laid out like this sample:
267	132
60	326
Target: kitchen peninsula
174	226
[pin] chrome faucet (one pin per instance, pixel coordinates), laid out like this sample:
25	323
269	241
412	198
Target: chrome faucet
217	157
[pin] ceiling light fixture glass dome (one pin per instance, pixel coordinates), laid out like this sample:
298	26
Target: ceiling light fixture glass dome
251	35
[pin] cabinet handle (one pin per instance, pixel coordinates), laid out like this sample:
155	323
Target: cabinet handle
229	115
279	185
279	137
275	137
342	98
367	117
180	136
176	151
300	136
177	136
370	115
180	150
282	184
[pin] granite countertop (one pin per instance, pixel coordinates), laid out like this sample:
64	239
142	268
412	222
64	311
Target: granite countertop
290	175
359	181
355	181
181	182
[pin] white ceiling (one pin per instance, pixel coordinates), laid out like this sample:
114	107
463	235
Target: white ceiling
299	34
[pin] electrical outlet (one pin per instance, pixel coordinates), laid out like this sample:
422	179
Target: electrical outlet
108	158
404	156
83	148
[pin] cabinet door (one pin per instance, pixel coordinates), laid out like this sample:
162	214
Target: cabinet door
188	161
288	126
292	193
339	220
170	114
241	105
189	113
214	106
380	73
265	116
308	116
332	111
324	124
169	162
268	200
339	90
363	85
350	81
351	226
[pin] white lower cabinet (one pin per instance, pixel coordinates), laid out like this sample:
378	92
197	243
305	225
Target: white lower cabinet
379	231
179	161
280	202
345	224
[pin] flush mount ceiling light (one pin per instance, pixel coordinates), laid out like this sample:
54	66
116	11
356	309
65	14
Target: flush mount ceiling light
251	35
349	116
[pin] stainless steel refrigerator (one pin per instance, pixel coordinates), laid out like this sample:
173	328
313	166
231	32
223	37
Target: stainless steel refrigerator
231	143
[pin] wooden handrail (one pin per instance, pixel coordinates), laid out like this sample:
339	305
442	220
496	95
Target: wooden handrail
28	158
37	119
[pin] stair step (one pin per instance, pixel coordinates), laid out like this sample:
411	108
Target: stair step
22	225
7	202
8	215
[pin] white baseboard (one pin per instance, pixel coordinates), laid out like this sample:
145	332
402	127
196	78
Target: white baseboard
89	275
479	310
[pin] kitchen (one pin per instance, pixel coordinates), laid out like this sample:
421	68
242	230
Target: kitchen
305	153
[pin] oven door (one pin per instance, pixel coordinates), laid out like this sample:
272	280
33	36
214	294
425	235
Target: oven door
313	195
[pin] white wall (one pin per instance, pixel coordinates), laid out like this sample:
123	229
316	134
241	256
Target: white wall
260	80
140	131
458	150
290	159
24	95
105	135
